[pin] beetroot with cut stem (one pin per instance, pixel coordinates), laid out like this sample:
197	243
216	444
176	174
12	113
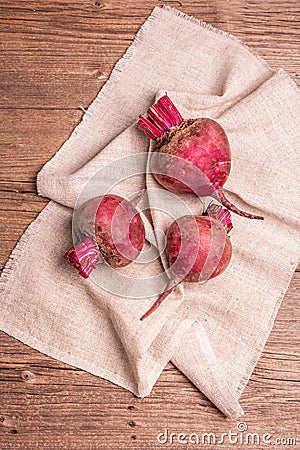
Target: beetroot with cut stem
111	229
198	248
201	143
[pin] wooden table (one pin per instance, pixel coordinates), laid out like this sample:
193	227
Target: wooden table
55	57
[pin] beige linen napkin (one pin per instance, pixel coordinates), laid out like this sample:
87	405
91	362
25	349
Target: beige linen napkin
213	332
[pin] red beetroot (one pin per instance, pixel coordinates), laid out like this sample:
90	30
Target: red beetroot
115	225
196	143
198	248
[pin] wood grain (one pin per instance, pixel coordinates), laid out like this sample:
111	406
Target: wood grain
54	58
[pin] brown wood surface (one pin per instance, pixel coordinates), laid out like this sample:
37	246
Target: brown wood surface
55	55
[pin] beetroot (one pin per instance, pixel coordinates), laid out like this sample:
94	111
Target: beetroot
109	228
189	144
198	248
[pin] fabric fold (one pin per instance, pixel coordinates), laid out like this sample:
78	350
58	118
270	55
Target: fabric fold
196	359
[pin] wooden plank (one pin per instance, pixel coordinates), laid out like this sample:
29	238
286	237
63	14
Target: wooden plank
63	54
29	138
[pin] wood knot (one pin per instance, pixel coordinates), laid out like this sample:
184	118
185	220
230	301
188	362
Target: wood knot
131	407
98	74
99	4
133	437
132	423
26	375
13	431
1	419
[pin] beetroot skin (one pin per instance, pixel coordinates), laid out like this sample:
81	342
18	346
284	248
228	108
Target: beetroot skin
118	229
211	233
204	144
198	248
197	143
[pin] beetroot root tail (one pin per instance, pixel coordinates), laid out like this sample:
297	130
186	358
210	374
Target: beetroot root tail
227	203
157	303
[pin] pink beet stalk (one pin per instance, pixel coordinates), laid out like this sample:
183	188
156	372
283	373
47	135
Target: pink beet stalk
149	128
84	257
161	116
221	214
170	109
157	116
